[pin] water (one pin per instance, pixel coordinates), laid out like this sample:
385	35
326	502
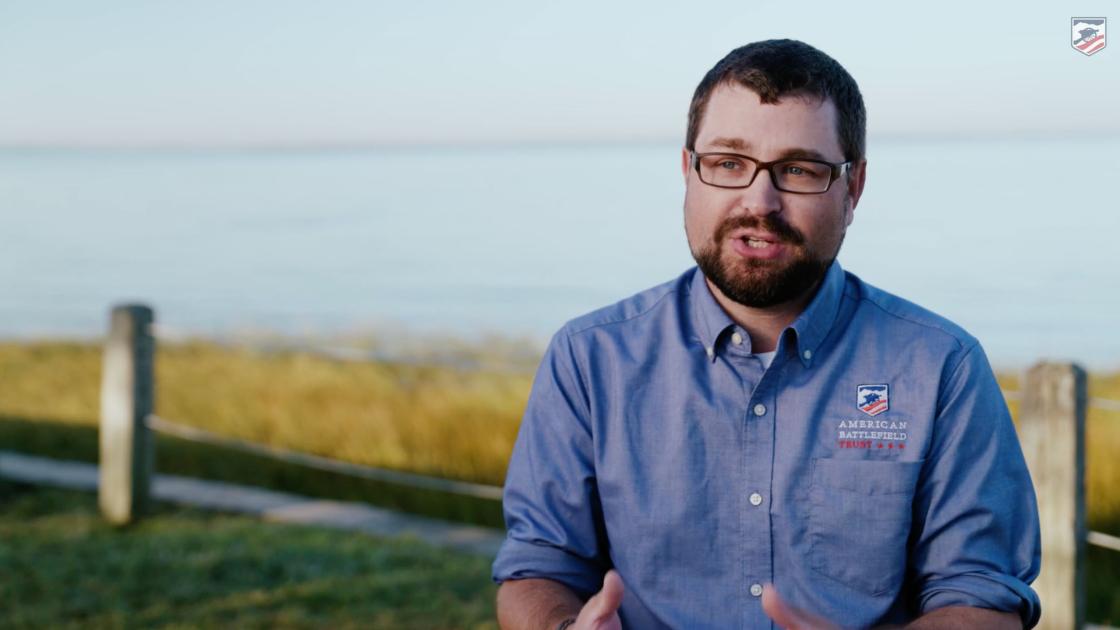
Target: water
1014	240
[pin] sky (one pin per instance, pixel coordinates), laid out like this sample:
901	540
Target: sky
369	73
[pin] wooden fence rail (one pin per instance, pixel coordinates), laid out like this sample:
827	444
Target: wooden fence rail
1053	403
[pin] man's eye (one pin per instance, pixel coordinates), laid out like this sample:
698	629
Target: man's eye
730	165
802	170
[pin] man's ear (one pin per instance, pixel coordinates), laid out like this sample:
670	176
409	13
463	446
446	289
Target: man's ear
685	164
854	190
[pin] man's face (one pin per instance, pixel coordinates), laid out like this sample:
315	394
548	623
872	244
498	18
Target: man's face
758	245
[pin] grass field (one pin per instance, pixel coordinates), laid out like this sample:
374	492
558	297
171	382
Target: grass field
429	419
422	418
62	567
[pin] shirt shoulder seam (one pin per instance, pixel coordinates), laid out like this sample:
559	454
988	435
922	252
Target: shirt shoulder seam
622	320
945	386
576	374
961	343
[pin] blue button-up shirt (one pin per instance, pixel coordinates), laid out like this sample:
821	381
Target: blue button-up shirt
871	473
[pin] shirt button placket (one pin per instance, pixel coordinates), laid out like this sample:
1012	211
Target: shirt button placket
759	455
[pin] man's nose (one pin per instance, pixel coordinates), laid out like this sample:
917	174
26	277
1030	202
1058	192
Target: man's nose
761	197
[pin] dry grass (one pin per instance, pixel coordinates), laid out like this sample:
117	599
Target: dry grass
427	419
433	420
423	418
57	380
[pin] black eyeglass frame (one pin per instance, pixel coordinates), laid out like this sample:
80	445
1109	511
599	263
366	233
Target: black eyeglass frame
834	173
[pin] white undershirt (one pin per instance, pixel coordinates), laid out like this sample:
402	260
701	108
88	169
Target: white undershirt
766	357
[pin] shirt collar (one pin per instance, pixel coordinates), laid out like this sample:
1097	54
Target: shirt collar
814	323
710	318
810	328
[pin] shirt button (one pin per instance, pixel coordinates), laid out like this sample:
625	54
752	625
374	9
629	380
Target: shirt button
760	409
808	354
737	339
756	590
756	498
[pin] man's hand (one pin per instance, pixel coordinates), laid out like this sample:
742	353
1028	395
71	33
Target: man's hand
788	617
601	611
542	604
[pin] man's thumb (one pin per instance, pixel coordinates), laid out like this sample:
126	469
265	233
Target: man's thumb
606	602
785	616
776	608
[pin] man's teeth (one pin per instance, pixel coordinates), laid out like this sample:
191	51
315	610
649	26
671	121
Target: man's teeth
756	243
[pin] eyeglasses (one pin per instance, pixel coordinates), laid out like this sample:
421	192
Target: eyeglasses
731	170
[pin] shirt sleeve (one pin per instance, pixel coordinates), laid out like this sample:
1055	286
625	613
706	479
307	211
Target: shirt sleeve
550	501
978	534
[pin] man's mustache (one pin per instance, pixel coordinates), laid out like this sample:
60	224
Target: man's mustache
769	223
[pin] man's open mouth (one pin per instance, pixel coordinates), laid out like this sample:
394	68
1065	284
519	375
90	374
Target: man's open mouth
756	243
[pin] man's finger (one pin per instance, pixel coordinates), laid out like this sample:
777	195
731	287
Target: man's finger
776	608
788	617
606	602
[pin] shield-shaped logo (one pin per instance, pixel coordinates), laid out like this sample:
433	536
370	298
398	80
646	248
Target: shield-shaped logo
873	399
1088	34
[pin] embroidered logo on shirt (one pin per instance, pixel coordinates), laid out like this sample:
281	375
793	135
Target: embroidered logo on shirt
873	399
872	434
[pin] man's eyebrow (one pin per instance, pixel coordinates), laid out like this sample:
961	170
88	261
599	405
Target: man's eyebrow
807	154
736	144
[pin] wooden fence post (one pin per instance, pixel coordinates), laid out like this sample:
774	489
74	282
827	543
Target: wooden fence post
127	397
1052	432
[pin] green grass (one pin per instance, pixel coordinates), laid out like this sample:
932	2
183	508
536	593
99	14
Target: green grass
62	567
1102	586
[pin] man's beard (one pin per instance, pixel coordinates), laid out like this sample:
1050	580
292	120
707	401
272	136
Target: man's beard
761	283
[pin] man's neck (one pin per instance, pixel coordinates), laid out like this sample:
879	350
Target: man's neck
764	325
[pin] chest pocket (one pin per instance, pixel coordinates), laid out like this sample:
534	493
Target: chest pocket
859	521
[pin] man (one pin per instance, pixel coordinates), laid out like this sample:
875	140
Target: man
767	418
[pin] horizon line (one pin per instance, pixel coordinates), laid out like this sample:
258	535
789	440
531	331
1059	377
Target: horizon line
526	143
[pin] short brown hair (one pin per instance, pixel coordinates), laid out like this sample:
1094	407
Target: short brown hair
786	67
